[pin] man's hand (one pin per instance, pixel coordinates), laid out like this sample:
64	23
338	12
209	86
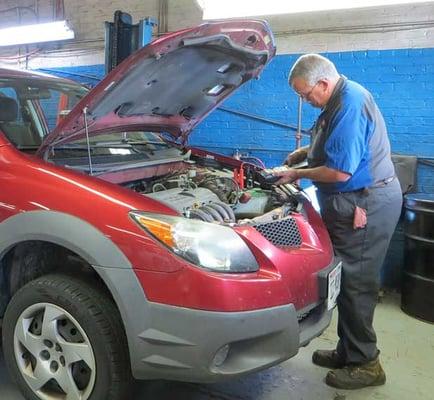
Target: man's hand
287	176
296	156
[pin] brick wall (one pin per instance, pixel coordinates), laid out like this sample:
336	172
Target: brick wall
400	80
387	27
370	28
387	49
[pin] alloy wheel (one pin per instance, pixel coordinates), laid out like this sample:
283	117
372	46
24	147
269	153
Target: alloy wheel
54	354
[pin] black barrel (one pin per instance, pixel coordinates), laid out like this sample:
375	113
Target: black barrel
418	275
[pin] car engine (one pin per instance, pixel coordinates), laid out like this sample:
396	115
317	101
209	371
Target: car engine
213	195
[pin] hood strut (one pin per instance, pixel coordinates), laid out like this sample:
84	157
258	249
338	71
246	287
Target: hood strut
87	140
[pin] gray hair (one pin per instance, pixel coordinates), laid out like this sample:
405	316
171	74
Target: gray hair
312	68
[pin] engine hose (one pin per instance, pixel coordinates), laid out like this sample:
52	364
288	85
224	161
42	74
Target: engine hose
214	213
229	211
221	210
214	188
195	213
158	184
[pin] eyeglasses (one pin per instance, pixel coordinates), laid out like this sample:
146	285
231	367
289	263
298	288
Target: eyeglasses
306	96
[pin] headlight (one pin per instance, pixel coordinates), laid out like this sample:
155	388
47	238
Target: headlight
204	244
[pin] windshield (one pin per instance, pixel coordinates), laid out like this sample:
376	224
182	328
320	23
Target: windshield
30	108
111	149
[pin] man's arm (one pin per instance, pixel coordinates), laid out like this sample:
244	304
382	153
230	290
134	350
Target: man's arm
318	174
297	156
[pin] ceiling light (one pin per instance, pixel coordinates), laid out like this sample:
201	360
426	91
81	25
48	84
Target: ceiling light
37	33
246	8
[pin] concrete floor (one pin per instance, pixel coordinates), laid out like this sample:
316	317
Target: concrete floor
407	355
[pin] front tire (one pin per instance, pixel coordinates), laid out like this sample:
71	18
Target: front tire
64	339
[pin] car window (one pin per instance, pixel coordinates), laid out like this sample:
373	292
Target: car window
15	121
31	108
56	105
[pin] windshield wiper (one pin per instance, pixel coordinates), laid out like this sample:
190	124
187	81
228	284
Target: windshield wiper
28	147
70	146
136	144
144	142
93	148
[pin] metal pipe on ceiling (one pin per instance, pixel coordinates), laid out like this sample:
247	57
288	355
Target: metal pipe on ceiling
163	11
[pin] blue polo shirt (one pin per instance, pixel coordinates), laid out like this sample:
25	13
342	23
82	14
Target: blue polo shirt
350	136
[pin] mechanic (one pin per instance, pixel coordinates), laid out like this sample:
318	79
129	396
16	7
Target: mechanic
349	162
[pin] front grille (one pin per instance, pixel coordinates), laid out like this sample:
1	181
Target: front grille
282	233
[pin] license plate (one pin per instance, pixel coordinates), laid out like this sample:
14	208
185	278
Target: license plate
334	285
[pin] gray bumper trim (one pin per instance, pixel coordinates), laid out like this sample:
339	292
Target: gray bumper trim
187	341
315	324
176	343
182	343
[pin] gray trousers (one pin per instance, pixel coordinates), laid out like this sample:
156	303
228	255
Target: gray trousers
362	252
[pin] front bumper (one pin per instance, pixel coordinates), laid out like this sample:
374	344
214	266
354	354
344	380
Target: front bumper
181	343
176	343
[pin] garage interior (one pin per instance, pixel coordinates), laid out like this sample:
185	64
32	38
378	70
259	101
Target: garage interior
386	46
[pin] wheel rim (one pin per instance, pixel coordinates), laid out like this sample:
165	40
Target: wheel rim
54	354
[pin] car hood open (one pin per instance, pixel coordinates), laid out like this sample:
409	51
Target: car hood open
173	83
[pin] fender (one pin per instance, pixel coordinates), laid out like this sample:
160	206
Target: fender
99	251
65	230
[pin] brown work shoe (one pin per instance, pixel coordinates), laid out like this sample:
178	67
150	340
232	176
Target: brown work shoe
357	376
327	359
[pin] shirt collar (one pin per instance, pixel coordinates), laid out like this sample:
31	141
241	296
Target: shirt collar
336	91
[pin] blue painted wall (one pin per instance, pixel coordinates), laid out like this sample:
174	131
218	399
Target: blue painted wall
402	81
88	75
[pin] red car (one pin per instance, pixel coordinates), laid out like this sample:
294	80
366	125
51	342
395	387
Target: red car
124	253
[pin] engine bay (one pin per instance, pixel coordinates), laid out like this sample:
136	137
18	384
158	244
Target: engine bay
198	184
212	191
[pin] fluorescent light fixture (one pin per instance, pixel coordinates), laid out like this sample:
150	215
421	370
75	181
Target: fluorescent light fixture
213	9
37	33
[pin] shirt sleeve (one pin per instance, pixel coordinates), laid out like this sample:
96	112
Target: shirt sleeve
347	144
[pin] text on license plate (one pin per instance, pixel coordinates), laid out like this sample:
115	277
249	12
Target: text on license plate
334	285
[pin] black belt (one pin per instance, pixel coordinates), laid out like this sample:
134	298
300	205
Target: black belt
376	184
